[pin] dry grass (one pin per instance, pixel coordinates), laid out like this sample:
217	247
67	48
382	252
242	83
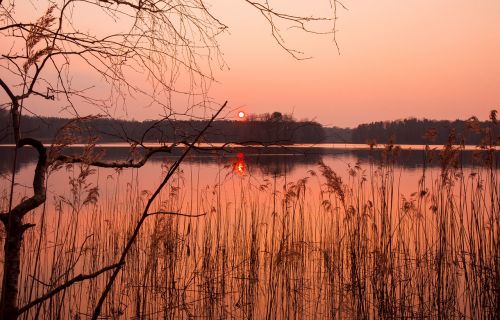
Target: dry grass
330	245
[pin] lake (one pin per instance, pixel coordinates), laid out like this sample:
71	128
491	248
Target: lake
285	232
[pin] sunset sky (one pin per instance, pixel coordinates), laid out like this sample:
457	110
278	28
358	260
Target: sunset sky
433	59
398	59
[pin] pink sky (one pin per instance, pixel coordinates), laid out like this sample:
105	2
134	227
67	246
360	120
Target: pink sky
413	58
433	59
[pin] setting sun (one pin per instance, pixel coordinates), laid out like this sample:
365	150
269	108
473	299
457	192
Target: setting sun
241	114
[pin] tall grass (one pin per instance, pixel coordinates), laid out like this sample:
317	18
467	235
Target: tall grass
329	245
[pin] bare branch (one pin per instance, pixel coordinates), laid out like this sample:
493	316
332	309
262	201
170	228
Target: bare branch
169	213
300	22
145	214
14	110
67	284
114	164
38	181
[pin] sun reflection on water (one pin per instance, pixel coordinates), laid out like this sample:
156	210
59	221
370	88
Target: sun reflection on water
239	165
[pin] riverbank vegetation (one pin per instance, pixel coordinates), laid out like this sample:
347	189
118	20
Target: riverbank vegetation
351	244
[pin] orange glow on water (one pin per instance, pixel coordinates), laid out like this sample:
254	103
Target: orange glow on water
239	166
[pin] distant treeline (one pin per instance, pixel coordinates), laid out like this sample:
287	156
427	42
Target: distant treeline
424	131
269	128
272	128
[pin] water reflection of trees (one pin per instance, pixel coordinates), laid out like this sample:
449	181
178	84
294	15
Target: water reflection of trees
270	161
419	158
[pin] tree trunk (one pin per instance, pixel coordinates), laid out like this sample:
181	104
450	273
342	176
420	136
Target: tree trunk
12	248
14	229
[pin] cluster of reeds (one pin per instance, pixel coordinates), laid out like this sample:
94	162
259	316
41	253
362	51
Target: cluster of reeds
349	244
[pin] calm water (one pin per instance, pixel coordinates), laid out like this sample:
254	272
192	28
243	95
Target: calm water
204	169
280	238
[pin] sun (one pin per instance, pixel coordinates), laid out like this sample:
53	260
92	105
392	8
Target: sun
241	114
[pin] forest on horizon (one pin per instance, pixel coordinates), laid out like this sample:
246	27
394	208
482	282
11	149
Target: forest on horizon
269	128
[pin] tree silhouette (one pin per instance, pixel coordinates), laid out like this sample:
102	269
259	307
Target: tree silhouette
171	44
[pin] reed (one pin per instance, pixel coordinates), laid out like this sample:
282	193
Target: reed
328	245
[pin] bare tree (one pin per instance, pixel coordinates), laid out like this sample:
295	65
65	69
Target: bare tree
165	42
